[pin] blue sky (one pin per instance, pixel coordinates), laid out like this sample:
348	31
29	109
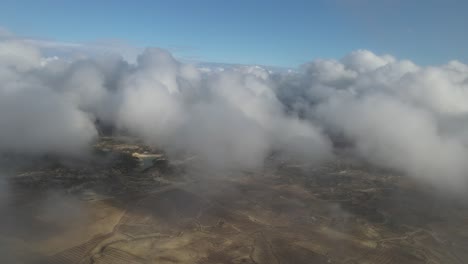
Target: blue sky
281	33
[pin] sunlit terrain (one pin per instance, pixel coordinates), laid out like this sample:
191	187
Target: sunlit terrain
129	204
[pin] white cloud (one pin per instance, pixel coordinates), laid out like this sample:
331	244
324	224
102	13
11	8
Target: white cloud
395	113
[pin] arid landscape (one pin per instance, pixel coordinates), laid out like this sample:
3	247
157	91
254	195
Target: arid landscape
130	204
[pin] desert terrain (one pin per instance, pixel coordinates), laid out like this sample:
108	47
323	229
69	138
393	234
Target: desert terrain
131	204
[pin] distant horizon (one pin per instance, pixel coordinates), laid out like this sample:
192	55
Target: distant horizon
52	47
272	33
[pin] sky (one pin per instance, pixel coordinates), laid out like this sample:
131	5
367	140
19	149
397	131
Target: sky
277	33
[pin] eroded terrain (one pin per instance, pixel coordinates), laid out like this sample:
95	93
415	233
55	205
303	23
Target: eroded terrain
132	205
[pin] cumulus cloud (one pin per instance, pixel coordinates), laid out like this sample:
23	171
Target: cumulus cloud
229	119
396	114
393	113
34	118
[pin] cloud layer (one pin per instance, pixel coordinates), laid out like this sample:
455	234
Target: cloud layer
393	113
228	119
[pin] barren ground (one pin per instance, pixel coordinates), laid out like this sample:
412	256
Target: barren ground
145	209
